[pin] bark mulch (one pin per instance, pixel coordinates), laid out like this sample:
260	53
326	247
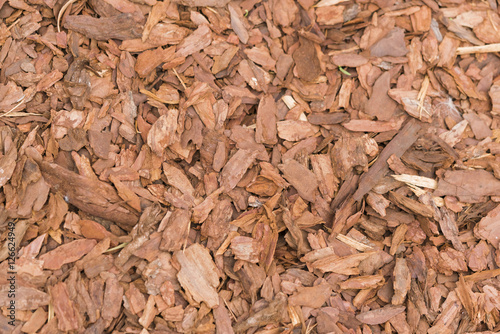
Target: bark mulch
256	166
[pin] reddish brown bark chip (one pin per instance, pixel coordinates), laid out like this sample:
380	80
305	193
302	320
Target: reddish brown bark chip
64	307
112	299
392	44
150	59
266	121
122	26
222	318
488	227
380	104
199	39
300	178
176	231
398	145
236	167
349	60
67	253
402	281
381	315
313	297
198	274
306	60
163	132
468	185
28	298
93	196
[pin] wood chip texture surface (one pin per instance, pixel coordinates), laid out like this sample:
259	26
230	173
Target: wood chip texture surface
254	166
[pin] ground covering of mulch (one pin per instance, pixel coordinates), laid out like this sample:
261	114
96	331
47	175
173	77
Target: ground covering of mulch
256	166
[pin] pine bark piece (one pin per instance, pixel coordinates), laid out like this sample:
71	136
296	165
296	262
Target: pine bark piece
198	274
478	126
126	193
265	131
27	298
222	62
237	23
177	230
327	118
113	297
301	178
448	313
49	80
466	296
261	56
93	196
330	15
349	60
465	83
350	152
252	277
222	318
345	94
292	130
149	60
400	324
378	203
398	237
36	321
140	233
19	232
393	44
323	169
448	51
494	94
163	132
470	186
488	227
178	179
158	12
236	167
197	41
478	257
306	60
313	297
149	313
402	281
246	249
120	27
381	315
451	260
162	34
409	204
346	265
271	314
295	233
203	3
380	104
449	227
409	100
67	253
397	146
64	307
8	159
363	282
362	125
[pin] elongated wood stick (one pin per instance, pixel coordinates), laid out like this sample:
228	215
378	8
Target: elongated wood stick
464	50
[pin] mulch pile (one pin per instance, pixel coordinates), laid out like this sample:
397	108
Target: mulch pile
274	166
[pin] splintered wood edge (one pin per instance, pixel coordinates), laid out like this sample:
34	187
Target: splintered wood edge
464	50
415	180
353	243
